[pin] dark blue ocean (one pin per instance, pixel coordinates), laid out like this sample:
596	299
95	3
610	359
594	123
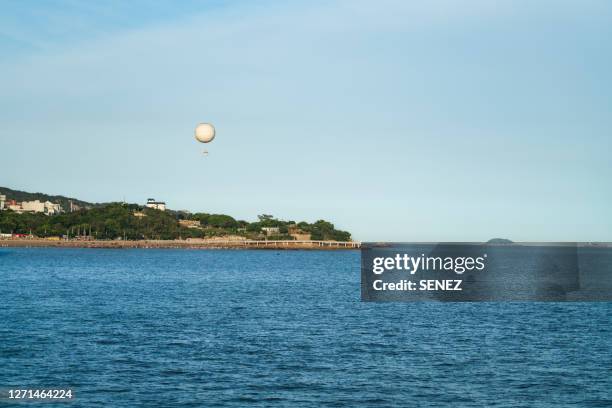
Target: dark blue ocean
159	328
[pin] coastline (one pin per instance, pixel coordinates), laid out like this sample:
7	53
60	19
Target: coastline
182	244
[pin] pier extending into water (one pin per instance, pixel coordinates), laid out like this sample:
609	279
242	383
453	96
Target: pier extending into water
313	244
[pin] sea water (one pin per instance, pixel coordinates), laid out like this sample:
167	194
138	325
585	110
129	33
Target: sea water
158	328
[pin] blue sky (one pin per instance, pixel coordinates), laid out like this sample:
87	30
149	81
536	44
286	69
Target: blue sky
438	120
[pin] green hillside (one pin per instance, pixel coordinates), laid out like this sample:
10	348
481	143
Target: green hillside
134	222
18	195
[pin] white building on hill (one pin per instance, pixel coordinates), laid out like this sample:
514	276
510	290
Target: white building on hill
36	206
158	205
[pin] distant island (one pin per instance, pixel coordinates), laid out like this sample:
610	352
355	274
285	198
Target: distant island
56	217
500	241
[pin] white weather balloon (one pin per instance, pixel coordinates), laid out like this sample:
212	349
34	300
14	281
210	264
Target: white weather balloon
205	132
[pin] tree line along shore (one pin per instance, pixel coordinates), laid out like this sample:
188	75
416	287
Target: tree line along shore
133	222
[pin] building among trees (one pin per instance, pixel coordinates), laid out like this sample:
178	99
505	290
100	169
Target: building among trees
157	205
36	206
